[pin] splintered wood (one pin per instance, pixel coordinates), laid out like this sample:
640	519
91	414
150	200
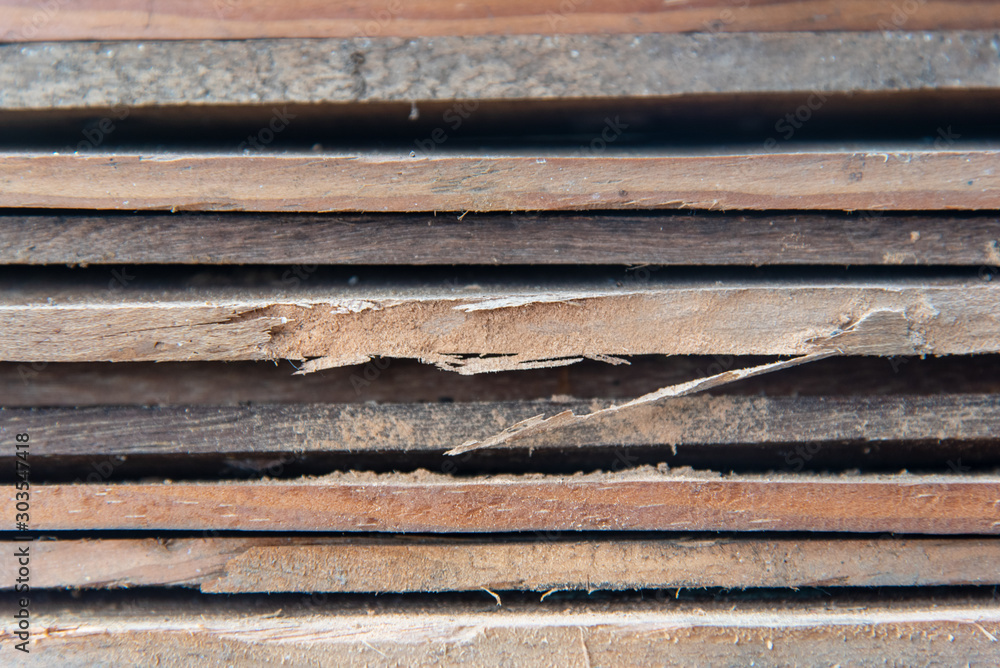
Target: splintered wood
484	328
715	280
435	427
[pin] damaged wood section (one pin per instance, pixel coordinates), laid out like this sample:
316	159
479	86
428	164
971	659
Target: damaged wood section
70	75
642	499
27	21
876	178
321	630
474	328
438	427
531	238
401	564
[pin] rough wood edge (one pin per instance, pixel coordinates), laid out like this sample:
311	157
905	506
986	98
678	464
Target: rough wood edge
599	238
250	19
639	499
311	630
144	74
542	564
901	179
305	429
522	328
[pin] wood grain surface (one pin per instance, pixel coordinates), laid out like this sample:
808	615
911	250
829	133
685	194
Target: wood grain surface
530	238
387	428
130	629
640	499
124	76
518	326
874	178
421	564
247	19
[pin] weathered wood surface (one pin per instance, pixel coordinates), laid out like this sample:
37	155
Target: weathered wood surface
27	21
875	178
128	75
321	630
640	499
523	326
426	239
400	564
27	385
438	427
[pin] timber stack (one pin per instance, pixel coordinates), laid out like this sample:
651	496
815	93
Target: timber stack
571	332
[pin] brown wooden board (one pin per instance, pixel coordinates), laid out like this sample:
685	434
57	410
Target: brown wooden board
420	564
122	76
522	326
437	427
247	19
639	499
426	239
873	177
321	629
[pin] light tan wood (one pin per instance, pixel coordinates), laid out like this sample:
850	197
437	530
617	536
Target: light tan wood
539	563
871	178
245	19
95	318
329	631
639	499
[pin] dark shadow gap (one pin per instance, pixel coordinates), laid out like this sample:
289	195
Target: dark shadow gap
929	119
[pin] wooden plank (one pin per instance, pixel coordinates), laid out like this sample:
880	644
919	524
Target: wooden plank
425	239
873	178
36	384
640	499
400	564
521	325
134	630
247	19
438	427
129	75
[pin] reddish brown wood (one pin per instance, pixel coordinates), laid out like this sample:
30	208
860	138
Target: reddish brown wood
26	20
626	501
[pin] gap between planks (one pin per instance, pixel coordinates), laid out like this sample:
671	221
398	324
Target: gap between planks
73	385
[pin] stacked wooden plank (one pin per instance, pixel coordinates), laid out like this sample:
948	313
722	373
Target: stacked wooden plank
561	333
